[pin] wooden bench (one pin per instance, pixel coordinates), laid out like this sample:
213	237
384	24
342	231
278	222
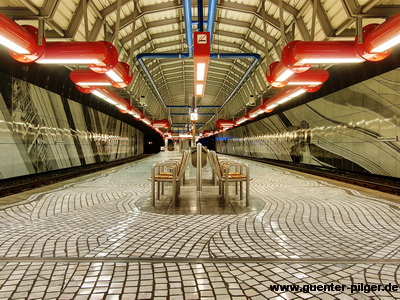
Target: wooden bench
228	171
171	171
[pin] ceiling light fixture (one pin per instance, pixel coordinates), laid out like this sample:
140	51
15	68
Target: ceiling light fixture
21	41
199	89
299	56
87	77
378	40
100	56
201	56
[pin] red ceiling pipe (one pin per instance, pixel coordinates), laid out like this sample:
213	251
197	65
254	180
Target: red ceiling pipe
270	103
278	74
379	39
21	41
161	123
100	56
298	56
123	73
255	112
309	77
146	120
242	119
221	123
87	78
85	90
121	103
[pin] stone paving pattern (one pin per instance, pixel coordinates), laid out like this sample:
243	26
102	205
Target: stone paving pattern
98	219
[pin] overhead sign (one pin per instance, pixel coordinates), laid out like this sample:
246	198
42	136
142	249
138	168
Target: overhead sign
201	44
202	38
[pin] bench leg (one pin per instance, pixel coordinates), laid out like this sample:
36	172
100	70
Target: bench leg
247	192
153	196
226	192
241	190
158	190
236	188
174	193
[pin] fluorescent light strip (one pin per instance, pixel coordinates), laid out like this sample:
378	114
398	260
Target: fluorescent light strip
389	44
255	114
291	96
114	76
13	46
305	83
285	75
284	100
121	107
331	60
93	83
111	101
297	93
98	94
271	106
71	61
133	114
146	121
199	89
200	74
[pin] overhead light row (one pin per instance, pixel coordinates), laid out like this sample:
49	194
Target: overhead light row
201	58
101	57
299	56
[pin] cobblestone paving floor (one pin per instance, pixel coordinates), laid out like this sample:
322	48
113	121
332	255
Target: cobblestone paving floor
89	240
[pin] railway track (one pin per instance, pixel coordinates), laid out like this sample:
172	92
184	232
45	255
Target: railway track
332	174
28	182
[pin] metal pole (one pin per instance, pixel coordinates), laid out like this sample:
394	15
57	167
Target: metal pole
198	177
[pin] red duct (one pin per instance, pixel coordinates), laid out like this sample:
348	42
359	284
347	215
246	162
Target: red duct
146	120
255	112
242	119
278	74
310	77
21	41
299	56
379	39
221	123
121	103
161	123
101	56
120	77
86	78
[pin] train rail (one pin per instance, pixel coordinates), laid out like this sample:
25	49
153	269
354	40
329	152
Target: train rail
386	184
23	183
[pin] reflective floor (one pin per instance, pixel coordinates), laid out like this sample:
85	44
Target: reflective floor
98	237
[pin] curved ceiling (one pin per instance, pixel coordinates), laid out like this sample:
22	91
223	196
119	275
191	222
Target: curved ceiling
158	26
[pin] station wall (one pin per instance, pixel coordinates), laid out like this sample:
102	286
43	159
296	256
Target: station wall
355	129
42	131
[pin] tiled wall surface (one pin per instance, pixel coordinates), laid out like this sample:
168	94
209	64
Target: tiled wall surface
41	131
355	129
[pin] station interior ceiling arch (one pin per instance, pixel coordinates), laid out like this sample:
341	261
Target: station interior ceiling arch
164	88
